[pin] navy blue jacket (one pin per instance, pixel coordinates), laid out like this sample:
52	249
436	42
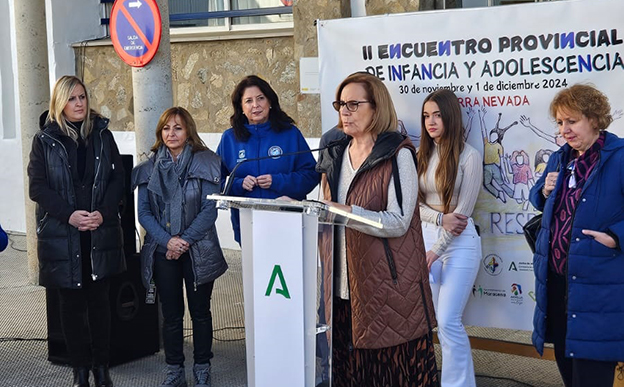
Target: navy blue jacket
292	175
4	239
595	273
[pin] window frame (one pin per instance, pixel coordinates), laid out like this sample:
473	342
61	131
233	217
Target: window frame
228	30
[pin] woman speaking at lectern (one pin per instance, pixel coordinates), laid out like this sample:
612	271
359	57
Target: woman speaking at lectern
382	308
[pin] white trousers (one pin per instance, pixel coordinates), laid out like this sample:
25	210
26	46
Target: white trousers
454	274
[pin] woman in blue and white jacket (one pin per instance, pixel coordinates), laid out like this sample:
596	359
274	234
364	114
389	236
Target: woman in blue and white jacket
260	128
579	261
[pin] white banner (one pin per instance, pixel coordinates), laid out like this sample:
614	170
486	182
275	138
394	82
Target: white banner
505	64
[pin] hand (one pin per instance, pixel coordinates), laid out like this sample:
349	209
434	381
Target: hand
172	255
454	223
264	181
285	198
549	183
601	237
80	219
431	258
525	121
339	206
95	220
249	182
177	245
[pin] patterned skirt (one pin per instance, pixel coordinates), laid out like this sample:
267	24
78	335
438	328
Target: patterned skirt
411	364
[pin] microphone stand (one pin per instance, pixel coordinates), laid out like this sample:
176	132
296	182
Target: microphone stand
230	180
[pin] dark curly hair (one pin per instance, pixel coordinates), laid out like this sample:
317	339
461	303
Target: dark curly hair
279	119
586	99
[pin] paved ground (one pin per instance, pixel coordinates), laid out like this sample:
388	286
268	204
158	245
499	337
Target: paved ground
24	347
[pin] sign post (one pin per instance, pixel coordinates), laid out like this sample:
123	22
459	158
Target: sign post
136	28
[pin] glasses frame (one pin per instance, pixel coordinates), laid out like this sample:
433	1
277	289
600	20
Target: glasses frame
351	106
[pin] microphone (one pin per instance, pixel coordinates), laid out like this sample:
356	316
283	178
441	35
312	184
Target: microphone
230	180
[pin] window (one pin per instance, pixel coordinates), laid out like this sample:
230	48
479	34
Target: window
490	3
262	11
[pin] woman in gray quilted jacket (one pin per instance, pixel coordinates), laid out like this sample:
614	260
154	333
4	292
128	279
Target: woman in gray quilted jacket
181	244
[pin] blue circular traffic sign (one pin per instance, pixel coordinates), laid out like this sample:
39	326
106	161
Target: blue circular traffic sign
135	30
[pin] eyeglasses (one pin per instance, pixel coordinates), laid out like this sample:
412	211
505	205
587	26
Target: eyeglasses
572	168
352	106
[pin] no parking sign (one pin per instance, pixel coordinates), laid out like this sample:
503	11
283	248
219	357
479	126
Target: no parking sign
135	30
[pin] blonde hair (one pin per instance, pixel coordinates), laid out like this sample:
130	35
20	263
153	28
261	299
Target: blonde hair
384	115
63	88
584	99
451	145
192	137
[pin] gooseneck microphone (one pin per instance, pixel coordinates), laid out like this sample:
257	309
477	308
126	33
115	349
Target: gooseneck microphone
230	180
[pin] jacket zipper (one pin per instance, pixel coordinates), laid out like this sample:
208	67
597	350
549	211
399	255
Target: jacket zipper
42	223
390	259
191	251
95	182
424	301
66	155
567	282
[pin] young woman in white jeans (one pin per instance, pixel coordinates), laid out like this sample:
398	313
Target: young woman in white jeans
450	173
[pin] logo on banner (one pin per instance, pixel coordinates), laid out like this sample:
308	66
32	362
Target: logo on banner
277	273
532	295
493	264
487	292
516	294
476	290
521	266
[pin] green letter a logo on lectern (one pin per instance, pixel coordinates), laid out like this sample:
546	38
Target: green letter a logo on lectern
277	272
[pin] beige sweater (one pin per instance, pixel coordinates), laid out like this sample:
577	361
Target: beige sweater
467	184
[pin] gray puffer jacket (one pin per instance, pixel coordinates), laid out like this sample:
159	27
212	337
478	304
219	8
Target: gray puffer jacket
208	260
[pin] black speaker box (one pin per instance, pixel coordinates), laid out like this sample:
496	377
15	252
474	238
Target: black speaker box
134	324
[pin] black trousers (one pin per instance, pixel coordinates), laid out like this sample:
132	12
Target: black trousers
169	275
86	320
574	372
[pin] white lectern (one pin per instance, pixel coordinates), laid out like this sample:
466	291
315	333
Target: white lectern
287	265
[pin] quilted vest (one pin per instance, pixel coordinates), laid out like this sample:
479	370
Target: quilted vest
389	284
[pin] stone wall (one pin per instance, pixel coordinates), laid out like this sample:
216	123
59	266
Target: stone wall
305	13
381	7
204	75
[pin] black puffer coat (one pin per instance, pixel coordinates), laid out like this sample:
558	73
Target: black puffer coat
51	186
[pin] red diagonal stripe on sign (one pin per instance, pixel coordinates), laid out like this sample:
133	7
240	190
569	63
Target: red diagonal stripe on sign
136	27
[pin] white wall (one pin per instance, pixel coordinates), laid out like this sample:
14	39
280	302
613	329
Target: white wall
11	179
69	22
